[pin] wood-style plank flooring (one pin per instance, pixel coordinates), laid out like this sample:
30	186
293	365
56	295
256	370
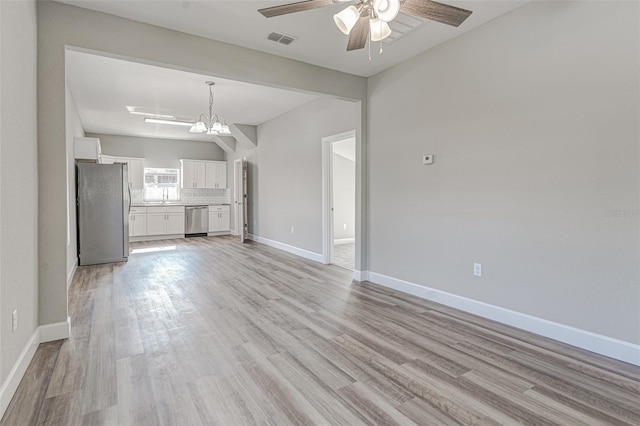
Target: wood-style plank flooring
216	332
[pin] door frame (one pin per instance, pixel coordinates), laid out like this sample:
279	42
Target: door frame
327	193
237	219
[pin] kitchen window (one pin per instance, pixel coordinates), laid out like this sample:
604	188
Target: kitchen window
161	184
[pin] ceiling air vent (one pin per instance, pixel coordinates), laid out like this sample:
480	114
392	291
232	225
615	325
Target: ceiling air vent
282	38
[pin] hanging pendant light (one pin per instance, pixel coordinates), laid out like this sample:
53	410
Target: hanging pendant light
210	124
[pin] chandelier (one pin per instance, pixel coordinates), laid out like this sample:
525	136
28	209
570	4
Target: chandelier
211	124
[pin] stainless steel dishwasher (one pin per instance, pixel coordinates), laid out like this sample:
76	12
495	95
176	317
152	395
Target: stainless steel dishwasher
197	221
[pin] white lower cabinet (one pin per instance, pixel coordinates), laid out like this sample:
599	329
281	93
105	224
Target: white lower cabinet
175	223
165	220
138	222
219	219
156	221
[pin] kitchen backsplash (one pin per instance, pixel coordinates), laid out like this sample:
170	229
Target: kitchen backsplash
191	196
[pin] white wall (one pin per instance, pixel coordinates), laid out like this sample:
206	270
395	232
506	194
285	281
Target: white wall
159	152
18	179
61	25
73	128
533	119
344	196
286	171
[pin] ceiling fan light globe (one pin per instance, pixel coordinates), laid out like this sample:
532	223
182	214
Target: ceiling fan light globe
346	19
379	30
387	10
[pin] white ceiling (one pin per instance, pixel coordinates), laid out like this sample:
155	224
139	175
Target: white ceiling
320	42
103	87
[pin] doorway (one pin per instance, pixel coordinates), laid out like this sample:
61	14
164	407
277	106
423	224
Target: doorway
339	170
240	199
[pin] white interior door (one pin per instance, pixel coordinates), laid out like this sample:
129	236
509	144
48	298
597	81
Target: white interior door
240	198
244	231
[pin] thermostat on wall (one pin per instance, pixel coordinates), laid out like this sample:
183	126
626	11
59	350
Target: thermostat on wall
427	159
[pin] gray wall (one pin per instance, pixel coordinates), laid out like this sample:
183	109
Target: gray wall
18	179
159	152
61	25
286	171
533	119
344	197
73	128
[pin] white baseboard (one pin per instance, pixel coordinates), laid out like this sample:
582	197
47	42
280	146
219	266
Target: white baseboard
339	241
155	238
217	234
316	257
42	334
55	331
10	384
360	275
72	273
613	348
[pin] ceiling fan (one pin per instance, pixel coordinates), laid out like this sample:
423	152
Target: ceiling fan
369	18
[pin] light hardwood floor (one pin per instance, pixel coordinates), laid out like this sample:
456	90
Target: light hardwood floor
215	332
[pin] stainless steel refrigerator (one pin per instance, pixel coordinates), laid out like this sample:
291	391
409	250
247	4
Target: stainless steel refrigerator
103	201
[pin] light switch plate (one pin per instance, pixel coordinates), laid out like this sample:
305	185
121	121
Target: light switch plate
427	159
477	269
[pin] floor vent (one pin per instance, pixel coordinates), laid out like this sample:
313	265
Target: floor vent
282	38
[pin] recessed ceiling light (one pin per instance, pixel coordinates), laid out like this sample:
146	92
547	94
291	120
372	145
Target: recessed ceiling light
165	121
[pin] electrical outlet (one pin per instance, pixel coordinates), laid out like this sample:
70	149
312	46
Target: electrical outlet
293	230
14	321
344	226
427	159
477	269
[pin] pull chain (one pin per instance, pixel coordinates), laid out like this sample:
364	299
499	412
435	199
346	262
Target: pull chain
370	42
380	52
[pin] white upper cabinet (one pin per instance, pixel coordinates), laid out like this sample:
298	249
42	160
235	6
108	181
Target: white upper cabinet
216	174
135	168
203	174
193	174
87	149
108	159
136	172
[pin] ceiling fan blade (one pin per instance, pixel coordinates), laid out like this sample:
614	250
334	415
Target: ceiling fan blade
435	11
359	33
300	6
